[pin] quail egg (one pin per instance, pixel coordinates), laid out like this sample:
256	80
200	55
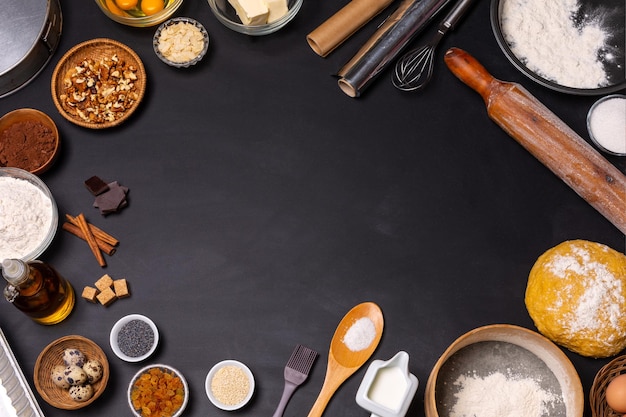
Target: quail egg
81	393
58	377
75	375
93	369
73	357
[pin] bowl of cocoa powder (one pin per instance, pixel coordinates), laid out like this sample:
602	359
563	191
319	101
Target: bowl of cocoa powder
29	140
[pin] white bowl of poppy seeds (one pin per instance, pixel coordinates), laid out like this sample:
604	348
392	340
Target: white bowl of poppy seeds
134	338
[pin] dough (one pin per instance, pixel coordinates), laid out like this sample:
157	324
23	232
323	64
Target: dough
576	295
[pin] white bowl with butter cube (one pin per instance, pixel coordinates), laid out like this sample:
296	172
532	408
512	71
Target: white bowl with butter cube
181	42
255	17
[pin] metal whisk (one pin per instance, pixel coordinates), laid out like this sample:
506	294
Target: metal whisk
414	70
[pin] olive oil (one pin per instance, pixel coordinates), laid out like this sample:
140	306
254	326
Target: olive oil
37	290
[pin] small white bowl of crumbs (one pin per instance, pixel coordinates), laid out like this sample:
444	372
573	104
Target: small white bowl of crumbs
229	385
181	42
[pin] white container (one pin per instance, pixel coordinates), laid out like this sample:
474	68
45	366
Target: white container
388	388
606	124
117	327
209	380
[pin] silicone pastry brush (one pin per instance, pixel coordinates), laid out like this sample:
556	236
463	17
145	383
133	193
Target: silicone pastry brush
296	372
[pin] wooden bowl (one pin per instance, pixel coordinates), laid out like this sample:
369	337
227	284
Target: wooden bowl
512	349
50	147
597	399
97	50
51	356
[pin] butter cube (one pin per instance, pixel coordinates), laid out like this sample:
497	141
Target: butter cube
277	8
251	12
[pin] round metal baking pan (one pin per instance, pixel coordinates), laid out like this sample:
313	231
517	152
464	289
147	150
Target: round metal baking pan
613	14
29	34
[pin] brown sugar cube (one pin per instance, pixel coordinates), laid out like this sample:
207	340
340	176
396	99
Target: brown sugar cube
120	286
106	297
104	282
89	294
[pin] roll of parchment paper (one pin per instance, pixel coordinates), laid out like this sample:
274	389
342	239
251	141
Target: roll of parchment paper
398	30
343	24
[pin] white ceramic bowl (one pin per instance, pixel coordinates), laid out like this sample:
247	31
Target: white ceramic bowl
164	368
601	140
226	14
21	174
117	327
211	375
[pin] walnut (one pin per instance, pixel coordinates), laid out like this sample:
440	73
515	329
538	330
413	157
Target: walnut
99	91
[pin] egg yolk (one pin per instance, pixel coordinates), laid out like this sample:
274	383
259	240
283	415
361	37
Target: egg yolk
126	4
113	8
150	7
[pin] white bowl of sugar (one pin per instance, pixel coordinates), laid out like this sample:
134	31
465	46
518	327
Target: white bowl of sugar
606	122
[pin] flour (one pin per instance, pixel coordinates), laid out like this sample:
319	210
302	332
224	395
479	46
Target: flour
25	217
360	335
498	395
602	294
545	36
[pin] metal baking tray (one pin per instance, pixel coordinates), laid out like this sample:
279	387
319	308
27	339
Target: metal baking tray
13	381
29	35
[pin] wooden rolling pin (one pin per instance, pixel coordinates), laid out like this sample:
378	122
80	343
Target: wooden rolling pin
547	137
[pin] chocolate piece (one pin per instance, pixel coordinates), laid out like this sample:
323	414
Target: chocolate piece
96	186
112	200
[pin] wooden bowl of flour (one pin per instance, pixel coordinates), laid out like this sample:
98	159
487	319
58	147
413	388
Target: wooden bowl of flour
516	360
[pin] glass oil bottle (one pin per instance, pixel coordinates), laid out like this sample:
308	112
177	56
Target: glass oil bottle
37	290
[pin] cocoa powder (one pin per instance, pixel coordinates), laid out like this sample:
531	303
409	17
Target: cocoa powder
26	144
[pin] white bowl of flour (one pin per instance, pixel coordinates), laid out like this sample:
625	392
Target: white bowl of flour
28	215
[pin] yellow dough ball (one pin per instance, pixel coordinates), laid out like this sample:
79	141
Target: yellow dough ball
576	295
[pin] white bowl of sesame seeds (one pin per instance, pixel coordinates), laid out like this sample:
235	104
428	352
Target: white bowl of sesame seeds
229	385
134	338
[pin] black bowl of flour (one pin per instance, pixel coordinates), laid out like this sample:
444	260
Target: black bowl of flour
568	46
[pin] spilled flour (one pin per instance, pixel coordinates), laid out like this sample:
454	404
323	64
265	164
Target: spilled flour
553	40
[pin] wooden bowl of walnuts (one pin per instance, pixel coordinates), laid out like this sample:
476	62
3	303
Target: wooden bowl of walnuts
71	372
98	83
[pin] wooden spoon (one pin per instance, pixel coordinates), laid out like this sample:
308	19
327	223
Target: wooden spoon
342	362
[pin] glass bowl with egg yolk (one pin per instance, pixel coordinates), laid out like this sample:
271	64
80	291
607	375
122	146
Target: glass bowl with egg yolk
139	13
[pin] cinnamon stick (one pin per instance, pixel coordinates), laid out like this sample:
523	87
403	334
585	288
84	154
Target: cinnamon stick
75	230
91	240
96	231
